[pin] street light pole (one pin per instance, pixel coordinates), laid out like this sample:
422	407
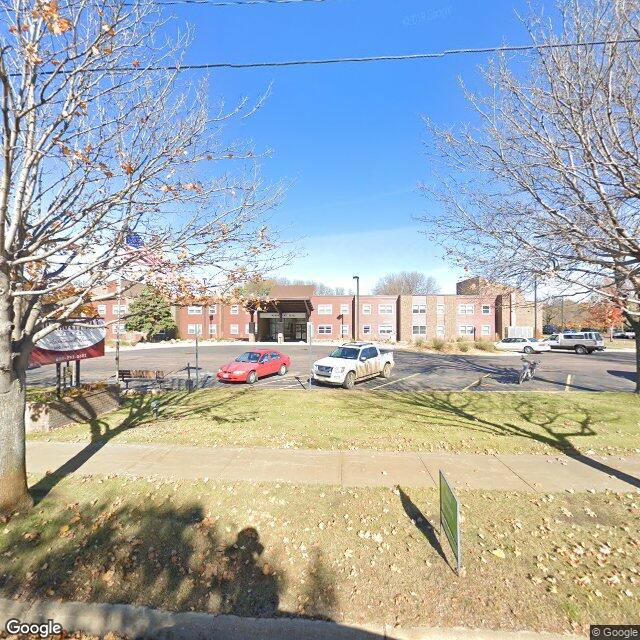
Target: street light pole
357	314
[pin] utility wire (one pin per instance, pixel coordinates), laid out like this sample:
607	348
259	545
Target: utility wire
233	3
326	61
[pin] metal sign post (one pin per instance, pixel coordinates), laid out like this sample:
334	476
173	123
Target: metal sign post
197	363
310	341
450	519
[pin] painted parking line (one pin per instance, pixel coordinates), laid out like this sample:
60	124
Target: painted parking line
477	382
413	375
567	386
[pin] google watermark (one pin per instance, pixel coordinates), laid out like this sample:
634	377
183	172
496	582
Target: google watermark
39	629
427	15
626	631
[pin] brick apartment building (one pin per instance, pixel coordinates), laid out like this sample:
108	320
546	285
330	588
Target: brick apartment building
478	310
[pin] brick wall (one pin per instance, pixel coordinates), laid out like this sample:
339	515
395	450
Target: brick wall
337	312
52	415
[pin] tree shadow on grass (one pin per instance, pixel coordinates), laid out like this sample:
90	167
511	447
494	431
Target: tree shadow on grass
140	411
149	552
552	426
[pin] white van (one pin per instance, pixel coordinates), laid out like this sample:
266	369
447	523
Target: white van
581	343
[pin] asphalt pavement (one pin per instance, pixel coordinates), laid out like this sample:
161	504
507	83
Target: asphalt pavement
414	371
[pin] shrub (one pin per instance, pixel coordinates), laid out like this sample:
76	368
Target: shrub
419	343
463	346
485	345
438	344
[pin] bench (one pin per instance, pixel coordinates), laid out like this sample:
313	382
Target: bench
140	375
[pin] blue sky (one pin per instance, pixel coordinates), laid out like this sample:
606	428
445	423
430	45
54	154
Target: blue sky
348	139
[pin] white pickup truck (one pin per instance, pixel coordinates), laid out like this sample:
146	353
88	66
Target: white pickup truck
351	362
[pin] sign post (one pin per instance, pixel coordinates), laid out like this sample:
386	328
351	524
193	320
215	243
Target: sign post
450	519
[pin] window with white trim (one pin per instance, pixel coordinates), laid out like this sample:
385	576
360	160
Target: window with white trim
122	309
325	329
366	329
344	330
385	329
466	330
102	309
486	330
234	329
385	309
419	330
440	308
213	309
194	310
466	309
213	329
366	309
235	310
344	309
486	309
247	328
194	329
325	309
118	329
440	331
420	308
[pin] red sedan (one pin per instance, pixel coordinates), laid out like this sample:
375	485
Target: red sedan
255	364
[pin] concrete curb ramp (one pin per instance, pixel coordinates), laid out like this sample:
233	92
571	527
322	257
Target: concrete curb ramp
142	622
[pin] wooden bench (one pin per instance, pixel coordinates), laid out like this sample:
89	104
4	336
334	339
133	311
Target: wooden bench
140	375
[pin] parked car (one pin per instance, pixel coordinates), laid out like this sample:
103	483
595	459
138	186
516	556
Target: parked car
351	362
523	345
255	364
582	343
624	335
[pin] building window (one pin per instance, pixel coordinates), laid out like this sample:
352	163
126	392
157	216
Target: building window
385	329
118	329
466	309
345	330
194	329
366	329
419	330
466	330
486	330
247	329
440	331
194	311
235	309
385	309
122	309
325	329
213	329
366	309
325	309
486	309
213	309
102	309
420	308
344	309
440	308
233	330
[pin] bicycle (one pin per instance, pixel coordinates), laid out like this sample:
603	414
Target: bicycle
528	370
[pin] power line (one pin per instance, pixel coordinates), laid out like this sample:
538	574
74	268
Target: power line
327	61
234	3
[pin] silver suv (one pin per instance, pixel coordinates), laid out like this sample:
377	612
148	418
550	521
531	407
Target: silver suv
583	342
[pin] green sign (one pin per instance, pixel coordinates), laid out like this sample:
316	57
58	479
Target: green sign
450	518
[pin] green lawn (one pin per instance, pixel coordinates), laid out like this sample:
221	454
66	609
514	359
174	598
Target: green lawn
556	562
395	421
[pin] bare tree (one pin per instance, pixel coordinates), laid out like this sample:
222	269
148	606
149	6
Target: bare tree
102	144
547	187
406	283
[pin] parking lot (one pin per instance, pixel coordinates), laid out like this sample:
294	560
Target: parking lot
414	371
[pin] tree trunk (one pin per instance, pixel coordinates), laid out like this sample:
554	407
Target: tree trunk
14	493
636	327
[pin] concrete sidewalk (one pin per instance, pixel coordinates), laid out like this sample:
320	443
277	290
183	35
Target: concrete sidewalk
344	468
146	623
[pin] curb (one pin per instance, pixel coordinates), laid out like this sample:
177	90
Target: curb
145	623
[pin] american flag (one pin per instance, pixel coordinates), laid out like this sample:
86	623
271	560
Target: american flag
135	241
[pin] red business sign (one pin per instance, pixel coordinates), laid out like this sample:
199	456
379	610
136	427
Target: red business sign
77	340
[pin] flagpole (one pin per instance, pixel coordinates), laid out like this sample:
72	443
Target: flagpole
118	330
